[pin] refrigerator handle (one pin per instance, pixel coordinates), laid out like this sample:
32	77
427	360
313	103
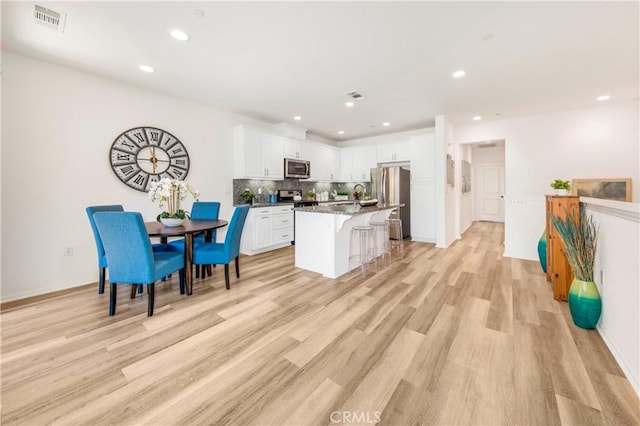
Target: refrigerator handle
384	186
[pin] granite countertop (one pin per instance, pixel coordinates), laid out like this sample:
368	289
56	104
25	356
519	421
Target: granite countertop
347	208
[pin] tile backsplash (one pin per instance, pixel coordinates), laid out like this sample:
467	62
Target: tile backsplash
304	185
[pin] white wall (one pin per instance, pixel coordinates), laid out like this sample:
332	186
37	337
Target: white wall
617	276
466	199
58	126
586	143
447	201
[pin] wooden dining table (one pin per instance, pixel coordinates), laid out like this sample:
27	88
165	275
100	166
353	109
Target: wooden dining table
186	230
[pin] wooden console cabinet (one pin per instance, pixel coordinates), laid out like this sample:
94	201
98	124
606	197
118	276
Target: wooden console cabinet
558	270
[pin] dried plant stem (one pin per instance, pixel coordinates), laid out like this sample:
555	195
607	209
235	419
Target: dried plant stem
580	240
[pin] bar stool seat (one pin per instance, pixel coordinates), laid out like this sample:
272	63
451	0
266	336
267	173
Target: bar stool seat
396	241
381	240
362	249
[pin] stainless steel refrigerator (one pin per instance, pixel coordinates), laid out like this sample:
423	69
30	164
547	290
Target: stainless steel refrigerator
392	185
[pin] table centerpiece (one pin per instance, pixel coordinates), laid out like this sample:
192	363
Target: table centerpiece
171	192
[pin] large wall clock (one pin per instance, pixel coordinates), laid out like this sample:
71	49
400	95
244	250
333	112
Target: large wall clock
143	155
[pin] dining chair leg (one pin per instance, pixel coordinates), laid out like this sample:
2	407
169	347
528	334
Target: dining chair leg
238	266
113	293
151	293
197	271
139	288
101	280
226	276
134	290
181	274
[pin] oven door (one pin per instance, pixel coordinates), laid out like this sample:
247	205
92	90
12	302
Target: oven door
300	169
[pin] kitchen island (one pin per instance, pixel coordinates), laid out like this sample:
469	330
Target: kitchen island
323	234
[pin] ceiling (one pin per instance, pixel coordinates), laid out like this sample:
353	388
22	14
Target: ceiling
275	60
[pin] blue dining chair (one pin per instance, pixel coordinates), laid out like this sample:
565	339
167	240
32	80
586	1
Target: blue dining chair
102	259
131	258
223	253
201	210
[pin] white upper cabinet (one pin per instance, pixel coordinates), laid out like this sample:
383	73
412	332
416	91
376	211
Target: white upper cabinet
297	149
356	163
423	157
257	154
325	162
395	151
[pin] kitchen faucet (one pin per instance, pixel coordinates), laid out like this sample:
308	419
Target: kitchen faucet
355	190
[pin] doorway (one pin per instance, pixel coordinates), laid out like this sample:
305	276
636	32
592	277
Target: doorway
488	159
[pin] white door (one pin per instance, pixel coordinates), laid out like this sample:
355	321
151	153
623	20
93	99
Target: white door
490	194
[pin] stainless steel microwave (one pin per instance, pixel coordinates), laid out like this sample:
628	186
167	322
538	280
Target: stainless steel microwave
300	169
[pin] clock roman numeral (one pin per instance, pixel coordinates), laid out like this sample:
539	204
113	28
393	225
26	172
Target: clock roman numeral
155	136
168	141
181	162
176	151
175	172
139	179
127	144
139	136
123	156
127	170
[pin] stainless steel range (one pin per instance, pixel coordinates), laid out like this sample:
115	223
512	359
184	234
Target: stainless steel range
294	196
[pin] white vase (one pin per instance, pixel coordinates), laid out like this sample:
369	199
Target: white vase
171	222
561	191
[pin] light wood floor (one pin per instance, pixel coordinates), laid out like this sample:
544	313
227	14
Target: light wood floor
443	336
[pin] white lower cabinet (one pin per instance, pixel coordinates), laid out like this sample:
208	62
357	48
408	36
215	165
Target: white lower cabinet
267	228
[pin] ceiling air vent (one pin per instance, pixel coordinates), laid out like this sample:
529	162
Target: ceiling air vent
49	18
356	96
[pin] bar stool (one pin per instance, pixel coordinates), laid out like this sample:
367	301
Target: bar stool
362	249
395	228
381	240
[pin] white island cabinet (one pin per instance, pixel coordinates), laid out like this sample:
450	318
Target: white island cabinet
323	235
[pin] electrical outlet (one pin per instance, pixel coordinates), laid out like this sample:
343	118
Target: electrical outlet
68	251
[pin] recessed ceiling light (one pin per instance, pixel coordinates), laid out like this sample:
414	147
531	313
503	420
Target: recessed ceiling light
179	35
349	104
341	132
146	68
297	118
477	118
386	124
458	74
603	98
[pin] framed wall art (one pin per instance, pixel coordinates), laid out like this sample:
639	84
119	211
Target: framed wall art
466	176
451	171
606	188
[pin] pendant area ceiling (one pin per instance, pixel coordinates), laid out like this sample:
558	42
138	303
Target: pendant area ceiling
277	60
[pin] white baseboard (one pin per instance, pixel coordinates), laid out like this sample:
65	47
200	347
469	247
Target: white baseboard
621	361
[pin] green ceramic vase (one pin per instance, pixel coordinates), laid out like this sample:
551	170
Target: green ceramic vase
585	304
